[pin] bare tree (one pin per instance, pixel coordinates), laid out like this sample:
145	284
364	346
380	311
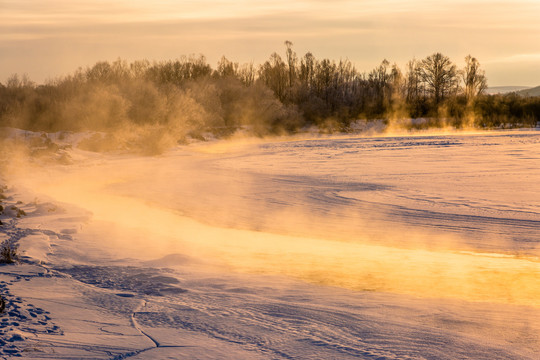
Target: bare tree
325	71
226	68
307	70
414	81
247	74
473	77
291	62
397	82
100	72
273	73
439	75
139	68
14	81
379	80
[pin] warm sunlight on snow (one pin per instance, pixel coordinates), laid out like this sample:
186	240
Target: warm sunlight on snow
302	245
423	262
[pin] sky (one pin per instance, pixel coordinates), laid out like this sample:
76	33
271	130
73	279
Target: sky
46	39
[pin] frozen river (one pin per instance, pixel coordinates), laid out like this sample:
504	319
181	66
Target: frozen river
344	247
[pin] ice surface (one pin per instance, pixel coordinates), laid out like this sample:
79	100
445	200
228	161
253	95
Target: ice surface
401	247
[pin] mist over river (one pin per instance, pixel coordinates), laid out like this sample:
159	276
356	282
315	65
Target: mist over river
444	226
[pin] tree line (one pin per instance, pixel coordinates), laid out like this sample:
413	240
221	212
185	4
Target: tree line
187	96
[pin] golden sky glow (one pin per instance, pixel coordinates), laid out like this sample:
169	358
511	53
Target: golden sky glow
54	37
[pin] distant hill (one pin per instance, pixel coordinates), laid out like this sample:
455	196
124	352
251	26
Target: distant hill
535	91
505	89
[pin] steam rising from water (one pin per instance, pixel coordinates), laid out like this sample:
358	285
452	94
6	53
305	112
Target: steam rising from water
118	191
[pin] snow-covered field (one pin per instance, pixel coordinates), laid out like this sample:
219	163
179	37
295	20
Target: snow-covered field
404	247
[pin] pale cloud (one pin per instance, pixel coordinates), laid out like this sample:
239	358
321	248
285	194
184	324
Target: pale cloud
518	58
